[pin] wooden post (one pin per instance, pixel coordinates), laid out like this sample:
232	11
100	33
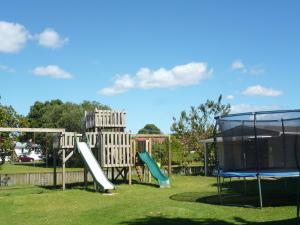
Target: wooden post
169	157
85	173
143	174
56	146
150	153
130	163
205	159
113	174
63	170
54	167
46	157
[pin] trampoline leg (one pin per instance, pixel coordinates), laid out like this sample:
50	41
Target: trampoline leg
245	186
285	186
298	200
219	188
260	195
221	191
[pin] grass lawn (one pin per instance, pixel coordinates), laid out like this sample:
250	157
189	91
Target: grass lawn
8	168
134	205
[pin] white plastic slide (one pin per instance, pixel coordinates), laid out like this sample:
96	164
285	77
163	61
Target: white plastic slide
94	166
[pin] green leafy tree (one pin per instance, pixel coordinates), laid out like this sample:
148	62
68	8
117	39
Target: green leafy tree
8	118
196	125
160	151
150	129
58	114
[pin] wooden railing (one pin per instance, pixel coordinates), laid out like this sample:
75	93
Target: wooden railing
105	119
115	149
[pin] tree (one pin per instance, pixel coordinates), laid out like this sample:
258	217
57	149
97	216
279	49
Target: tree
196	125
58	114
150	129
8	118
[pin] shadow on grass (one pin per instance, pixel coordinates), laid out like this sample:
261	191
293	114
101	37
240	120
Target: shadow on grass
77	185
269	200
145	184
186	221
250	185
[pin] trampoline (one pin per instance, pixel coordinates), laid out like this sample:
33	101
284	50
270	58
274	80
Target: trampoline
258	145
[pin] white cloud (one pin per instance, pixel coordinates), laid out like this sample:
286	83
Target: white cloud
53	71
237	65
13	37
121	85
7	69
259	90
256	70
182	75
230	97
49	38
240	108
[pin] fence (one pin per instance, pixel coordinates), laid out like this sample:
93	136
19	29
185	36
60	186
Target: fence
41	179
46	179
192	170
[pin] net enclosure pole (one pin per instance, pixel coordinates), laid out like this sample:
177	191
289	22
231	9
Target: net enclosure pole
257	163
283	141
298	181
259	189
217	161
205	159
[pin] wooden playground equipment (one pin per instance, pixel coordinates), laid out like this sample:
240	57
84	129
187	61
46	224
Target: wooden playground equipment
105	133
56	146
116	149
113	147
143	142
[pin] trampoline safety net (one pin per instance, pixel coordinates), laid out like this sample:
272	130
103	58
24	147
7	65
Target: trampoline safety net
259	141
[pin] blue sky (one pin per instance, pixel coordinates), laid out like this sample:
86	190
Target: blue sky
153	58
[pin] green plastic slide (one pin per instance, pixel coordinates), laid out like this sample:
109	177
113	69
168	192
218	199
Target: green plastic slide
163	180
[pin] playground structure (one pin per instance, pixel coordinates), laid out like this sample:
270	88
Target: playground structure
142	151
106	136
258	145
116	149
104	146
56	132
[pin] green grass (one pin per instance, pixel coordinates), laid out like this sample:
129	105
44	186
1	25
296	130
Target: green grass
135	205
8	168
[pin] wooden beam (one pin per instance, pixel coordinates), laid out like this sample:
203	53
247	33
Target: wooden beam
33	130
149	136
69	156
